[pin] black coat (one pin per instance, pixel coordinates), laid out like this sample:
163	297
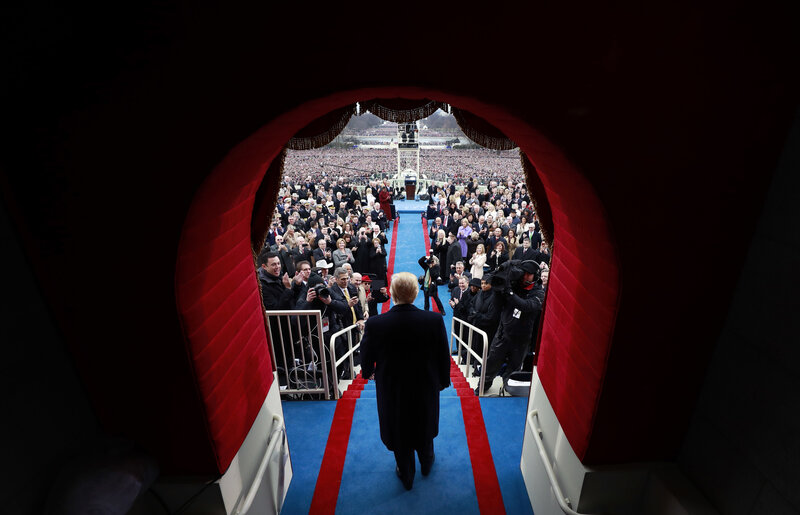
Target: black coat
411	357
377	263
340	307
361	255
453	255
461	310
484	313
496	260
433	285
522	255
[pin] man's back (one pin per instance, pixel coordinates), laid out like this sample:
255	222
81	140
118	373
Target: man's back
409	351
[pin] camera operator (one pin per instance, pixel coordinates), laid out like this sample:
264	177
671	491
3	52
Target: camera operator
519	299
318	296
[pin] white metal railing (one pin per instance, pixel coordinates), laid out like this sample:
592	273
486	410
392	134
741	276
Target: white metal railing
277	436
301	353
471	330
349	331
563	502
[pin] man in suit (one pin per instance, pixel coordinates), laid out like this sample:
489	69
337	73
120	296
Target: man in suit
322	252
525	252
407	350
460	297
350	311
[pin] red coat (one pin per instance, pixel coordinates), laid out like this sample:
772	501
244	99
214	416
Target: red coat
384	197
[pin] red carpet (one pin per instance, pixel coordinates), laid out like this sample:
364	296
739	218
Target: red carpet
326	492
390	265
487	487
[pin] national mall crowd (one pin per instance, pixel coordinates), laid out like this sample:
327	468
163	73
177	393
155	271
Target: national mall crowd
326	246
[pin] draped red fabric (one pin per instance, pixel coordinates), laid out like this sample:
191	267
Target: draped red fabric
482	132
401	110
264	203
220	307
538	197
323	130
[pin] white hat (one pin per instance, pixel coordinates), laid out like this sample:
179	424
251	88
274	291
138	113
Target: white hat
329	203
323	264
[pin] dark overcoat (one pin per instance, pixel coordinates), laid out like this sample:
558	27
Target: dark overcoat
407	350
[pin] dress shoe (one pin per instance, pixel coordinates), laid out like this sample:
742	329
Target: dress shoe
406	484
426	469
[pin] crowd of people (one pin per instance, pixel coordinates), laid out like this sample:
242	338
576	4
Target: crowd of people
359	166
326	246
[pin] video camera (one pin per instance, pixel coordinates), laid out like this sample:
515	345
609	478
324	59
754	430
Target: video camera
509	275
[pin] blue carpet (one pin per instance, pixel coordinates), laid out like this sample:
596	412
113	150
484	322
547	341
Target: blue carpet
369	483
307	425
505	425
405	206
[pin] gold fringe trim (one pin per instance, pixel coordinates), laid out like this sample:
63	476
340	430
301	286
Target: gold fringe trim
404	115
545	219
271	182
328	135
484	140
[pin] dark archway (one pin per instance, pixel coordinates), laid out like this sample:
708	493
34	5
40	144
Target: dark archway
220	309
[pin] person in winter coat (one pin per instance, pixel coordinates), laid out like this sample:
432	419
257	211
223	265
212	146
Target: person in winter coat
430	288
408	353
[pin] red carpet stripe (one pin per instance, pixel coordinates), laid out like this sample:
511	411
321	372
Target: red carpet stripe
487	487
390	265
326	491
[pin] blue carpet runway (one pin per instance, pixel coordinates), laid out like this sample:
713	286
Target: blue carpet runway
368	483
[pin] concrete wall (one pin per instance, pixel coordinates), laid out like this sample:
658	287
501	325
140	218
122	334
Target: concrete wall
742	448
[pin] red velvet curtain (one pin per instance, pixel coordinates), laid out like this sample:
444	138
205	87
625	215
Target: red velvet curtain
482	132
323	130
262	209
538	198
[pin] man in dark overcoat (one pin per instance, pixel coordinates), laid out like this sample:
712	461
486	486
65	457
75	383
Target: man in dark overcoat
407	350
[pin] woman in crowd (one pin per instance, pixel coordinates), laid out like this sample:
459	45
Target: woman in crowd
477	261
361	252
463	233
512	241
472	244
377	260
430	288
440	247
342	254
498	256
384	198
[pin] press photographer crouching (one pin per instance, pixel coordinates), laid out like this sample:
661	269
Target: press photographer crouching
519	298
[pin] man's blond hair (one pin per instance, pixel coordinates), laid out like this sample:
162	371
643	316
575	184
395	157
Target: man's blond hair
404	288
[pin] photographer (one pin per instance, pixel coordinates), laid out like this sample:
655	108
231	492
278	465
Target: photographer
430	288
519	298
318	297
302	251
361	252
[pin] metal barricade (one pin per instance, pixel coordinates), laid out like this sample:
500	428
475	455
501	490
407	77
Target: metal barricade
467	344
352	333
300	358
